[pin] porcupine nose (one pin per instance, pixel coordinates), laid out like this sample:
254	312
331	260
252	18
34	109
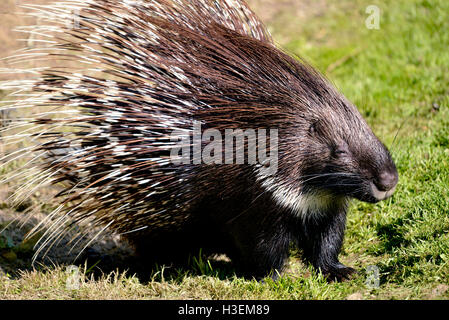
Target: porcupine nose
387	180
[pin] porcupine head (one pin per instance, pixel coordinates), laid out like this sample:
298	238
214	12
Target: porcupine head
134	72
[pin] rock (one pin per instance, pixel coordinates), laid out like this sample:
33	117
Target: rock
439	291
355	296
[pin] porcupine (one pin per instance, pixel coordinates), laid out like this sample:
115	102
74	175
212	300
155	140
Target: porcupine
146	69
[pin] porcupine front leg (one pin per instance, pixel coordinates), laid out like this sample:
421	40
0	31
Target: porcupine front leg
321	238
260	252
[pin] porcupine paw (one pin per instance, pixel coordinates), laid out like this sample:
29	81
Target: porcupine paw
339	273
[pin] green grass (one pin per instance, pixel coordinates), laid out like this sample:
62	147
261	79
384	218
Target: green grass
398	77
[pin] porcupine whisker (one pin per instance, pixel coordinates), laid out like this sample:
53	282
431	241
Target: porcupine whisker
320	175
391	148
329	175
325	174
342	185
341	176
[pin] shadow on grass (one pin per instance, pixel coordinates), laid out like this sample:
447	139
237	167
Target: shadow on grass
392	235
97	265
99	259
197	265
